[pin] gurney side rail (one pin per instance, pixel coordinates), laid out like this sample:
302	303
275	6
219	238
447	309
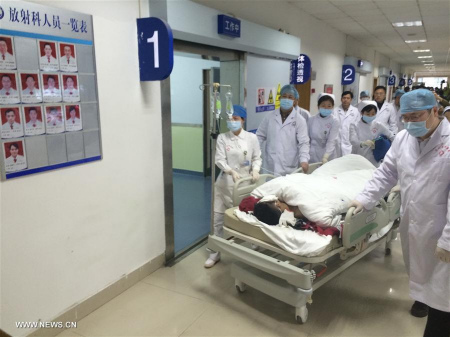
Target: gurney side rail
296	276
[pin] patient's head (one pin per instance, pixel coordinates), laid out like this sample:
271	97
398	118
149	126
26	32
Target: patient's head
267	212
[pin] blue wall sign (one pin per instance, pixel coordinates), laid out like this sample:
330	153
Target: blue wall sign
360	63
391	80
155	48
229	26
410	81
401	83
300	70
348	74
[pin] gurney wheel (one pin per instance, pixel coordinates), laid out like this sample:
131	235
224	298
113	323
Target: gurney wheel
240	287
301	315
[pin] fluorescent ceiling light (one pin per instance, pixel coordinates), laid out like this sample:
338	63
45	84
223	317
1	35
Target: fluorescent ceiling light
415	41
408	24
421	50
424	57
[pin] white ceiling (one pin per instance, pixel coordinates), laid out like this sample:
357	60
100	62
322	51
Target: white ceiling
370	21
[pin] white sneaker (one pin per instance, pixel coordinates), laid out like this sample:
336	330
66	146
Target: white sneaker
212	260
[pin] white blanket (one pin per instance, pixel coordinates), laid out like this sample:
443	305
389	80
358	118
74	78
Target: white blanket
304	243
326	193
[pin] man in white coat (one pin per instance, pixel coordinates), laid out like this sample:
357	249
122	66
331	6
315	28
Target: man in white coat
7	89
238	156
386	114
34	121
5	56
397	95
11	123
419	159
15	161
48	58
303	112
284	133
67	58
347	114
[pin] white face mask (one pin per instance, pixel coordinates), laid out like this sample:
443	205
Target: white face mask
287	218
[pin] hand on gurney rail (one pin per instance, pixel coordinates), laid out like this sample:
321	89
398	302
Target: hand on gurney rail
234	174
325	158
368	143
442	254
358	206
395	189
305	167
255	175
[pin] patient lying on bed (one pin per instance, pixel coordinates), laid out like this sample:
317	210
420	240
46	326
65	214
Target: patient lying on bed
270	212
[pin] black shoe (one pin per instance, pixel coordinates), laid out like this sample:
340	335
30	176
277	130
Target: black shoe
419	309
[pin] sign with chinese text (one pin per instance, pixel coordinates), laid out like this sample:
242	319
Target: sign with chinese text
228	26
265	99
300	70
402	83
410	81
348	74
155	46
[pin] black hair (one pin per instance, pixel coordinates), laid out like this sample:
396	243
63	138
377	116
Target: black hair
4	75
32	108
347	93
407	89
28	76
51	77
71	77
368	108
47	44
13	144
72	108
2	39
380	87
268	213
9	110
324	99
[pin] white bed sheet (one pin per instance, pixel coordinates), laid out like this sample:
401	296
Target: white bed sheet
326	193
304	243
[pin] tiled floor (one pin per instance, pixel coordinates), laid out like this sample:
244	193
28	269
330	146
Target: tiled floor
369	299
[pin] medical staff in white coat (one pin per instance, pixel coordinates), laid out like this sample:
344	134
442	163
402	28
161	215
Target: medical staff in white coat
283	134
303	112
420	160
363	96
346	114
323	130
386	112
397	95
238	156
364	132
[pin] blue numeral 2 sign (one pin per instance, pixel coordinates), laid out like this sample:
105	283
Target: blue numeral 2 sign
155	48
348	74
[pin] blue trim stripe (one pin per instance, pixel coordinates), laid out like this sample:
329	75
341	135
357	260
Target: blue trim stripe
51	167
44	37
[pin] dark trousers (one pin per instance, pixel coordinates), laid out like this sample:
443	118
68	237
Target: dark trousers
438	324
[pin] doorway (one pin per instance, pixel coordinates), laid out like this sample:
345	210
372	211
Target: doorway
191	144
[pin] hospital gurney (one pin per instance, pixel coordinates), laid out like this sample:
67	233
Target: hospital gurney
292	278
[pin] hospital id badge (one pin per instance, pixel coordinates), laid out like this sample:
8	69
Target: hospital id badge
245	163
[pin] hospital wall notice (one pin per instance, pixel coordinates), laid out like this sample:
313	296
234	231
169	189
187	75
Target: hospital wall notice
48	89
265	99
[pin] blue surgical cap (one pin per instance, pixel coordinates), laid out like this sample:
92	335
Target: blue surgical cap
399	92
288	89
364	93
416	100
239	111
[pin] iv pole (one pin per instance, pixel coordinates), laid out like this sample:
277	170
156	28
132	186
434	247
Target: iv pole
216	109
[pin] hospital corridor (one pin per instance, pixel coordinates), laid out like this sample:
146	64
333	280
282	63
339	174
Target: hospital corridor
225	168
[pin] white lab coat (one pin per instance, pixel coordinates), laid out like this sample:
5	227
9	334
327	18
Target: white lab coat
345	118
32	125
67	62
399	118
52	92
303	112
11	92
45	61
361	131
323	133
8	58
388	116
424	177
15	126
11	166
239	153
286	144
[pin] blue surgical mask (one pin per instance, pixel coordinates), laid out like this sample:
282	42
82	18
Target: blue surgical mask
234	125
417	129
286	103
325	112
368	119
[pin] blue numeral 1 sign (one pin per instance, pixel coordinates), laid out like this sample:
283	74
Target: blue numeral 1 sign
155	48
348	74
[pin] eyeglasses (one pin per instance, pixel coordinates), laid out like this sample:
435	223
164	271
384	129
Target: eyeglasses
415	117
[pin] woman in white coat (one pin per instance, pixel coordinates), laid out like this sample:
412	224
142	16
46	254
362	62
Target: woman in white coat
420	160
364	132
238	156
323	130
